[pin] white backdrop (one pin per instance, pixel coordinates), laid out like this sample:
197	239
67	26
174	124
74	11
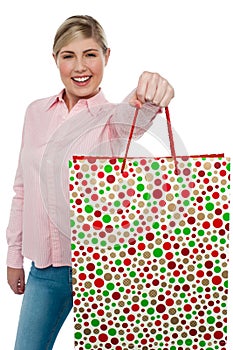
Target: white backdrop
188	42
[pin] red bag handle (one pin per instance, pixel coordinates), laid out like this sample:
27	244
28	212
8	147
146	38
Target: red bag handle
170	134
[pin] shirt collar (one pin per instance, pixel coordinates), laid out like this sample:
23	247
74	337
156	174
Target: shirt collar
93	104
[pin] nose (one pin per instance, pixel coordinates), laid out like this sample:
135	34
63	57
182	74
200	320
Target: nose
80	65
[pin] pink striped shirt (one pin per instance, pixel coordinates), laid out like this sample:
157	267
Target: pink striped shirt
38	227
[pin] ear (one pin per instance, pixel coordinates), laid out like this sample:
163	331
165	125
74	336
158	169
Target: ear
55	58
107	54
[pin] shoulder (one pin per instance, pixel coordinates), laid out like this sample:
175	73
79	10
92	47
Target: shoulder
41	104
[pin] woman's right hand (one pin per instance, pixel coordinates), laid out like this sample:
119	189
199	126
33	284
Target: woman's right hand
16	279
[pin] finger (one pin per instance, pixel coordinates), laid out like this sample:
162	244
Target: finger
21	286
152	87
166	99
135	103
14	287
141	90
160	91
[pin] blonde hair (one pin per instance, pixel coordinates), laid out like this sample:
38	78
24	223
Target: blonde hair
79	26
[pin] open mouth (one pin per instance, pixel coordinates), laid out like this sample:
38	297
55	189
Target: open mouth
81	80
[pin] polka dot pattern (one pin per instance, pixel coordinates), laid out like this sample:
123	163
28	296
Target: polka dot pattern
150	253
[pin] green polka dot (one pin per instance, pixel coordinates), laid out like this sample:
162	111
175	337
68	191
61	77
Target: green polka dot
95	323
118	262
78	335
188	341
151	310
106	218
122	318
72	223
211	320
159	337
108	168
89	209
112	332
158	252
70	164
226	217
73	246
209	206
144	302
155	225
81	235
200	232
177	231
202	343
146	196
186	231
140	187
132	274
117	203
110	286
103	243
155	165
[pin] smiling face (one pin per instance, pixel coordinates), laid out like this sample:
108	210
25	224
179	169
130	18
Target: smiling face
81	64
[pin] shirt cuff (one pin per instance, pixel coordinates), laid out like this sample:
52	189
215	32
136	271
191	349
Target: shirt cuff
14	258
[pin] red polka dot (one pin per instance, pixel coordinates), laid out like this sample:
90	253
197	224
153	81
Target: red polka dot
185	193
110	179
99	282
218	334
130	337
86	227
103	337
169	302
206	224
166	187
150	236
92	339
126	203
167	246
97	225
141	246
157	194
116	295
101	174
132	251
130	192
185	251
217	223
187	308
82	276
217	280
125	224
90	267
96	256
135	307
160	308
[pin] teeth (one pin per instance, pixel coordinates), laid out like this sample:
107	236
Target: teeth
81	79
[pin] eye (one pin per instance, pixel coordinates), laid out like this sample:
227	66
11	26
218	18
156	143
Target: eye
90	54
67	57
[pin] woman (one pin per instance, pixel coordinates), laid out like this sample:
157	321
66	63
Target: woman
81	53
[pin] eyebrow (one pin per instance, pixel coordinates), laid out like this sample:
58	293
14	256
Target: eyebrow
85	51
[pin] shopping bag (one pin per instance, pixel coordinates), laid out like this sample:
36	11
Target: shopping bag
149	242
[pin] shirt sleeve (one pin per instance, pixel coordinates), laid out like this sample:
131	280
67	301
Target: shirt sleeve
15	224
122	118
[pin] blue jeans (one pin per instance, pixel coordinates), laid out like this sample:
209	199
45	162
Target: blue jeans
46	303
